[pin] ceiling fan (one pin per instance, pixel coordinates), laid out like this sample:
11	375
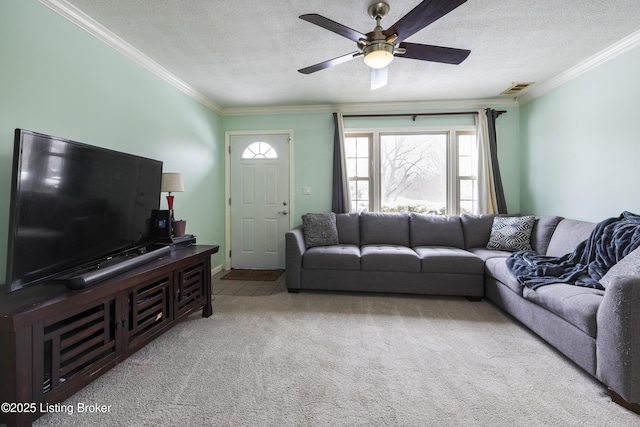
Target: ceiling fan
379	46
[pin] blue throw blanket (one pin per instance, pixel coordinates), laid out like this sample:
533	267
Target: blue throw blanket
609	242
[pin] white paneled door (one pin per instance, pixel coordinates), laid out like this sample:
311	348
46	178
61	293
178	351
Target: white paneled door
259	200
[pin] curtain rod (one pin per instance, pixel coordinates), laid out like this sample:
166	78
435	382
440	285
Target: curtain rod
414	115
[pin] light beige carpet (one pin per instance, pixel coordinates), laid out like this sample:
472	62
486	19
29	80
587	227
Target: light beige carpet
322	359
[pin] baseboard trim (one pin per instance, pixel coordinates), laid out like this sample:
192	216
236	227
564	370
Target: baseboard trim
216	270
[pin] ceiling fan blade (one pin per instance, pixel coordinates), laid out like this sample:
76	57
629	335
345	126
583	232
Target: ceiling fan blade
333	26
426	52
329	63
379	77
422	15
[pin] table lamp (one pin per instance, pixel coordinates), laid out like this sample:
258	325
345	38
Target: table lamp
171	183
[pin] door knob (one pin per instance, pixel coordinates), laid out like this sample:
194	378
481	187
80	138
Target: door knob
284	203
283	212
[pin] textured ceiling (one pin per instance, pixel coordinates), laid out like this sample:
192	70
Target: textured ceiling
246	53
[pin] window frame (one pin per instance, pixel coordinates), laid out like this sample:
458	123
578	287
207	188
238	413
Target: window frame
260	153
371	167
452	162
459	178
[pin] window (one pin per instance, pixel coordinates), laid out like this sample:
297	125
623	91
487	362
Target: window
358	157
260	150
413	172
430	172
467	172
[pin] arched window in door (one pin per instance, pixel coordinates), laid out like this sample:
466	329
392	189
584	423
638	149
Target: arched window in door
260	150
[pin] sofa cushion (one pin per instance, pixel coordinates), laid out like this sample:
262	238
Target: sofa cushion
389	258
628	265
443	259
435	230
382	228
337	257
497	268
476	229
511	233
567	235
320	229
485	253
575	304
348	225
543	229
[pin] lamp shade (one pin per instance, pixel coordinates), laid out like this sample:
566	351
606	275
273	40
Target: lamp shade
171	182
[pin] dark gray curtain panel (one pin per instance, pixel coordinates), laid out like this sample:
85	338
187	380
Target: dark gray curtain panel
492	115
340	198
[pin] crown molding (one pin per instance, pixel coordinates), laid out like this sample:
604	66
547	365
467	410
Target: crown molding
84	21
627	43
371	107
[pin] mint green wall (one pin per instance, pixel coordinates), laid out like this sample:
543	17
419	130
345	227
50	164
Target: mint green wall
57	79
313	149
580	144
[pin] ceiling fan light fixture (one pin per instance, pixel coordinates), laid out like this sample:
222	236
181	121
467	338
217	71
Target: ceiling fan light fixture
378	54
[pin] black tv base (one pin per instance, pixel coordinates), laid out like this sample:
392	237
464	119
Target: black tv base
113	266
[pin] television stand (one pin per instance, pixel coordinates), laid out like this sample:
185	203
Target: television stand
54	341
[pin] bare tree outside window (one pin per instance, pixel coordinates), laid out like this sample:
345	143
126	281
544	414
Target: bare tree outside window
413	173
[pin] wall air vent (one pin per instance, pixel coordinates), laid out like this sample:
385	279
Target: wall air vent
516	88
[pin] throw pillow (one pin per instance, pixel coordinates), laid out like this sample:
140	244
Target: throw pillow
511	233
626	266
319	229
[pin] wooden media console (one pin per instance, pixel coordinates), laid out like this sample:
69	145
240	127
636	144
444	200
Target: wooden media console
54	341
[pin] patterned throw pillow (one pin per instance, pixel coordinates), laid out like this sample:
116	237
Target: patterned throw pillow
625	267
511	233
319	229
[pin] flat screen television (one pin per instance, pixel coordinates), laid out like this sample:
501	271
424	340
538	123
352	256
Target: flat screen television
73	204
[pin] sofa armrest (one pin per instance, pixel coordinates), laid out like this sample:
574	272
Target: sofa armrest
618	339
295	248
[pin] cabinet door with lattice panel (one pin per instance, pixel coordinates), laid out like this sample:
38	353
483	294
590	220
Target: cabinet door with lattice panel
190	294
74	345
149	306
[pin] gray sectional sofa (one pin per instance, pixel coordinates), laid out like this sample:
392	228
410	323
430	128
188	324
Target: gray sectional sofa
447	255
